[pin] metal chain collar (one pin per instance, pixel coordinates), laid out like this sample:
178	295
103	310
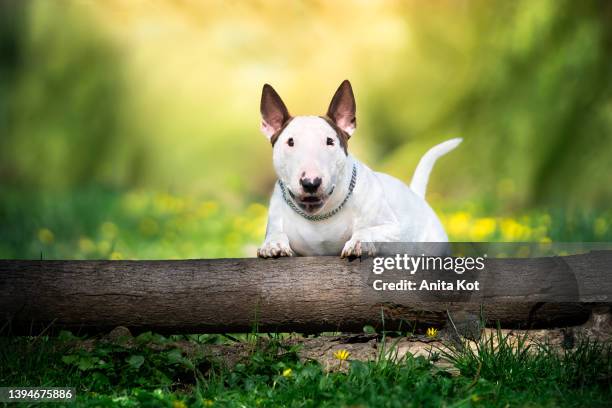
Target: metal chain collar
320	217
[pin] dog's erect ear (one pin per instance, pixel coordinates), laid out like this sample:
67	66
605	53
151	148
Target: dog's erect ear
342	108
274	113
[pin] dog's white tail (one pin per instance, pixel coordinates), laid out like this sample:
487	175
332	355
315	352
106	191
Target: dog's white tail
423	170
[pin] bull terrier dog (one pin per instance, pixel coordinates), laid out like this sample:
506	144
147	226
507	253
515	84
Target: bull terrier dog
326	202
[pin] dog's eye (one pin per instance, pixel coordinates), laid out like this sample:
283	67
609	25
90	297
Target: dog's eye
330	141
290	142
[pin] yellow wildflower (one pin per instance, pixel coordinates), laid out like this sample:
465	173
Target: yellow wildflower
483	228
458	224
287	372
116	256
239	223
165	203
233	238
104	247
513	231
86	245
432	332
178	404
46	236
256	210
208	402
342	354
600	226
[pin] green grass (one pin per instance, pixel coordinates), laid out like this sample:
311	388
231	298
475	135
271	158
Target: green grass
100	224
95	224
151	371
519	364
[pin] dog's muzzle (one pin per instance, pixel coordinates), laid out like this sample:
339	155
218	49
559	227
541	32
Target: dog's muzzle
309	202
306	208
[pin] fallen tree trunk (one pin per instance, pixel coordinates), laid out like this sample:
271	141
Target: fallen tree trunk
310	294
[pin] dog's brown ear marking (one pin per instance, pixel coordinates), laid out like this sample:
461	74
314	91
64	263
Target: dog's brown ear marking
342	108
274	113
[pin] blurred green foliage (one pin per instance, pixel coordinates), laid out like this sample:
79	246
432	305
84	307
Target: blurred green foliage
64	93
138	224
92	224
103	100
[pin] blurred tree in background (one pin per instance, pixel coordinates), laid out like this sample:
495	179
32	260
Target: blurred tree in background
128	96
527	84
63	102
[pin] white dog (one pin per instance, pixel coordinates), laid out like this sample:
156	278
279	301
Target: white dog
326	202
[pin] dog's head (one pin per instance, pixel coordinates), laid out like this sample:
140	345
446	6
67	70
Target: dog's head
310	152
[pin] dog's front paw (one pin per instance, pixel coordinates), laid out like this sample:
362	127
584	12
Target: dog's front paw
356	248
274	249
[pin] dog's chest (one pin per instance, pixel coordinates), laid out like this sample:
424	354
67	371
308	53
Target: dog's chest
326	237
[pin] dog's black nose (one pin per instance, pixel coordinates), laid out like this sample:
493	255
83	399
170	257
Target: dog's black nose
310	186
